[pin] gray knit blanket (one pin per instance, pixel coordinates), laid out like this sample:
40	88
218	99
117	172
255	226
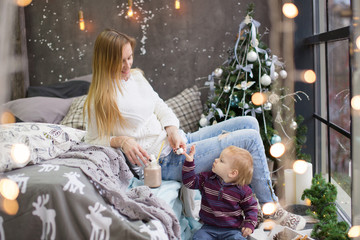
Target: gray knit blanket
107	169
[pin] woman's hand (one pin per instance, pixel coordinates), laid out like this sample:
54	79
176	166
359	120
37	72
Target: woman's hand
174	138
133	151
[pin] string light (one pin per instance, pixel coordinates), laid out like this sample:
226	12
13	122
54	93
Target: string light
20	153
258	98
277	150
355	102
130	12
358	42
9	189
300	166
177	4
268	224
290	10
10	207
269	208
354	231
81	20
7	117
23	3
309	76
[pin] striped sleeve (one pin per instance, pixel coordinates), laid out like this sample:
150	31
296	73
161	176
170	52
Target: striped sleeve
250	208
189	178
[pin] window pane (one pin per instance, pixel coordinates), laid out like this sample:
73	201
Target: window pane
338	80
339	13
340	159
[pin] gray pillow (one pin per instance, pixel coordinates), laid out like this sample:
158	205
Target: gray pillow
39	109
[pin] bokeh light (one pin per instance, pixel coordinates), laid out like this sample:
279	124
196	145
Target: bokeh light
307	202
309	76
355	102
269	208
7	117
300	166
258	98
268	224
23	3
9	189
177	4
357	41
354	231
10	207
277	150
290	10
20	153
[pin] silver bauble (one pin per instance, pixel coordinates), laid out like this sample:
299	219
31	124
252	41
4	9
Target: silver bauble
227	88
203	122
283	74
251	56
265	80
267	106
273	98
218	72
293	125
276	76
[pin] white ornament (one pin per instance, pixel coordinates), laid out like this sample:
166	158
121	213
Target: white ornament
218	72
293	125
267	106
203	122
256	43
251	56
268	63
283	74
276	76
179	151
273	98
265	80
227	88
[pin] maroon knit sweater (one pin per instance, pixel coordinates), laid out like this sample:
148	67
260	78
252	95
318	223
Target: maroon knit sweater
225	205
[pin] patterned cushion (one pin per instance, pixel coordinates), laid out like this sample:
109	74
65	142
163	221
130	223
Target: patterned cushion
74	117
187	107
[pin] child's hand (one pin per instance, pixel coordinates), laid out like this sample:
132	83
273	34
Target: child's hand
246	231
190	157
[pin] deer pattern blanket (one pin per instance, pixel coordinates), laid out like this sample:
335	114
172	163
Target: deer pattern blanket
83	193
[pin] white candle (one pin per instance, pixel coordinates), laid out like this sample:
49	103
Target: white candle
303	181
290	194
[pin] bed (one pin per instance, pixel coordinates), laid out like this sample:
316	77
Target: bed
68	189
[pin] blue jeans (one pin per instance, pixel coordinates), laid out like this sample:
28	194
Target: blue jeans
242	132
207	232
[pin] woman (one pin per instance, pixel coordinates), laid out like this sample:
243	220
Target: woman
124	112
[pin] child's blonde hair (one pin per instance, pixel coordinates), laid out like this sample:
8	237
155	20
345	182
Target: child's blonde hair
243	163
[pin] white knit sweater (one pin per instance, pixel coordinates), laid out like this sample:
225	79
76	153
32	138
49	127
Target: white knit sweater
145	112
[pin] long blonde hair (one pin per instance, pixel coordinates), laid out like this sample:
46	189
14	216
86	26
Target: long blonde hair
106	72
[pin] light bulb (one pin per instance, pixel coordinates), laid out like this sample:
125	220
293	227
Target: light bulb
309	76
269	208
23	3
130	12
9	189
258	98
354	231
277	150
355	102
7	117
10	207
20	153
290	10
300	166
177	4
81	20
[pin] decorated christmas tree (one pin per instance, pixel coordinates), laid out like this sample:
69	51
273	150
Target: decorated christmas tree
243	85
